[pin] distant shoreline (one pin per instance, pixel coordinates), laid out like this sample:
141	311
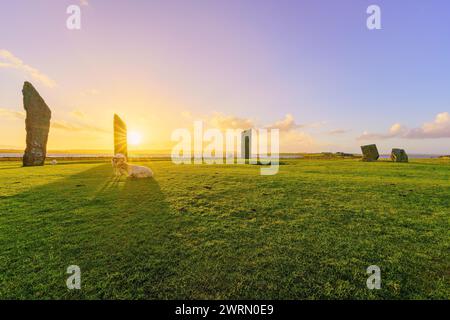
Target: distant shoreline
15	156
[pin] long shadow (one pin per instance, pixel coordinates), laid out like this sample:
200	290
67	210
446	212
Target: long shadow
119	231
18	166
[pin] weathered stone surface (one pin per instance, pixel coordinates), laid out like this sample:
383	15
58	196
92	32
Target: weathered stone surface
399	155
370	153
37	124
120	136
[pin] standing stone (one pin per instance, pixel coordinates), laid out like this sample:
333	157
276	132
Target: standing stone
37	125
370	152
399	155
120	136
249	146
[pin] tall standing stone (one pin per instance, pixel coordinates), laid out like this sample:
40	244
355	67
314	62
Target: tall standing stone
120	136
399	155
37	125
370	153
249	151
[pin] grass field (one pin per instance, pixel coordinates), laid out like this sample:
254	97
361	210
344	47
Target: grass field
223	232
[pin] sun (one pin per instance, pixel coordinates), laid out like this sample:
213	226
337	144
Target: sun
134	138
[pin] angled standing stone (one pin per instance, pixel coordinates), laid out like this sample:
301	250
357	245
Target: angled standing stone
399	155
120	136
370	152
37	125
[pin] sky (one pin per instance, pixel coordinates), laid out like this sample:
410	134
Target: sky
310	68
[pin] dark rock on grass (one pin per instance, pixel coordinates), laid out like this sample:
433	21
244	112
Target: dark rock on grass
37	125
370	152
399	155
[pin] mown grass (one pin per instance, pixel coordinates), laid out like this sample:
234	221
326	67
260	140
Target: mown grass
225	232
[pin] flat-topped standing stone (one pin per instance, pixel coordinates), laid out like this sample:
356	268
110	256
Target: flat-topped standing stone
370	152
120	136
399	155
37	125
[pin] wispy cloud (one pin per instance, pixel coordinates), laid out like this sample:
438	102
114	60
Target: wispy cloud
11	114
78	114
9	60
338	131
76	127
82	124
288	123
439	128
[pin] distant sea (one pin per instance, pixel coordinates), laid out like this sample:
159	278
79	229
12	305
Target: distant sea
414	156
149	155
81	155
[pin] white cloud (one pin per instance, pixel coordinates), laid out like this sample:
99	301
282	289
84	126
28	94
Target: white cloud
296	141
8	60
288	123
285	124
439	128
221	121
291	138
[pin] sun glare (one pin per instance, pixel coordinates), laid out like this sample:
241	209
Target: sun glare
134	138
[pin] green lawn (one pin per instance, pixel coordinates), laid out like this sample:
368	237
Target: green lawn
225	232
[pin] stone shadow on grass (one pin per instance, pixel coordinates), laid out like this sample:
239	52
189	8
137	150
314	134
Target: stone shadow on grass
118	231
